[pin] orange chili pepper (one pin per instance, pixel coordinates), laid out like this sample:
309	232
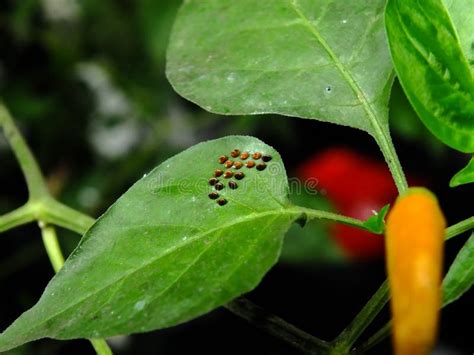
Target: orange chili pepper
415	233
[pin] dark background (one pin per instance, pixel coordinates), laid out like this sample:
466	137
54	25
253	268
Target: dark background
86	85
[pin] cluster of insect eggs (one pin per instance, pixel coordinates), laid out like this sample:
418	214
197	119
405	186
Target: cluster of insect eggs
230	163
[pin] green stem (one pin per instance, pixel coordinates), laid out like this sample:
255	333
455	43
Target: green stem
317	214
385	143
40	203
459	228
18	217
348	337
380	335
34	178
101	347
47	210
277	327
352	332
51	244
55	212
310	214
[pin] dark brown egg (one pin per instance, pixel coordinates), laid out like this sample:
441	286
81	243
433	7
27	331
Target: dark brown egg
239	175
218	172
222	159
233	185
261	166
228	174
221	201
256	155
219	186
235	153
244	155
267	158
213	181
213	195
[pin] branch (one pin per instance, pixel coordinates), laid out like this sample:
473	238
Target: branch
34	178
381	334
372	308
459	228
18	217
40	201
277	327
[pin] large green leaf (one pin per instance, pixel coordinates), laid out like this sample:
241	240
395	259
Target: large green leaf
165	252
319	59
464	176
433	69
460	277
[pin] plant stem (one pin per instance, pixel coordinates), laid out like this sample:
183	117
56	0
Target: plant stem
352	332
55	212
277	327
101	347
40	202
18	217
385	143
330	216
380	335
49	211
51	244
34	178
317	214
459	228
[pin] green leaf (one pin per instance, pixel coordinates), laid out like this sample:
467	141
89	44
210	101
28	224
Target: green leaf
376	223
464	176
165	252
461	12
460	276
322	60
432	69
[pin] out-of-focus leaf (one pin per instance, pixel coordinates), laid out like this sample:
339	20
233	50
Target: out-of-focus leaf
460	276
432	69
464	176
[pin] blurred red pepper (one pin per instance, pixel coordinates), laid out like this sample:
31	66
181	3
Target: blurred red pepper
356	185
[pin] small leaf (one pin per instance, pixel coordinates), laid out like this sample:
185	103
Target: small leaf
323	60
464	176
376	223
433	69
166	252
460	276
